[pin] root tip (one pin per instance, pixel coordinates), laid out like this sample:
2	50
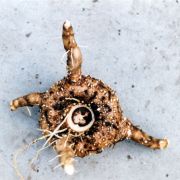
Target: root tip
69	169
12	106
164	143
67	24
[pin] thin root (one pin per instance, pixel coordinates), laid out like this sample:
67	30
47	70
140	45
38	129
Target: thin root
63	56
39	151
73	99
29	112
20	151
54	132
56	157
25	147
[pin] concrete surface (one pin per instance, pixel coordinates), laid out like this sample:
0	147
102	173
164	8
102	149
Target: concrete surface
134	46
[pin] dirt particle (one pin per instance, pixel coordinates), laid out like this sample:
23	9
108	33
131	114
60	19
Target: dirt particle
132	85
156	48
28	34
119	32
94	1
115	82
107	108
83	9
37	76
86	92
22	68
129	157
167	175
34	168
40	82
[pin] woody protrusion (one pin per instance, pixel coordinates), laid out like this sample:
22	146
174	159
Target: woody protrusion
31	99
74	56
137	135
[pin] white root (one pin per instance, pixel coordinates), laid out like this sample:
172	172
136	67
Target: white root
39	151
55	131
44	146
77	100
68	167
15	166
63	56
28	110
20	151
55	157
50	132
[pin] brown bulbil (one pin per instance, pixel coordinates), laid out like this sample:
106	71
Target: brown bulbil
73	132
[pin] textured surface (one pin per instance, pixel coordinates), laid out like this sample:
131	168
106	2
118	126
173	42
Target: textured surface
133	46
